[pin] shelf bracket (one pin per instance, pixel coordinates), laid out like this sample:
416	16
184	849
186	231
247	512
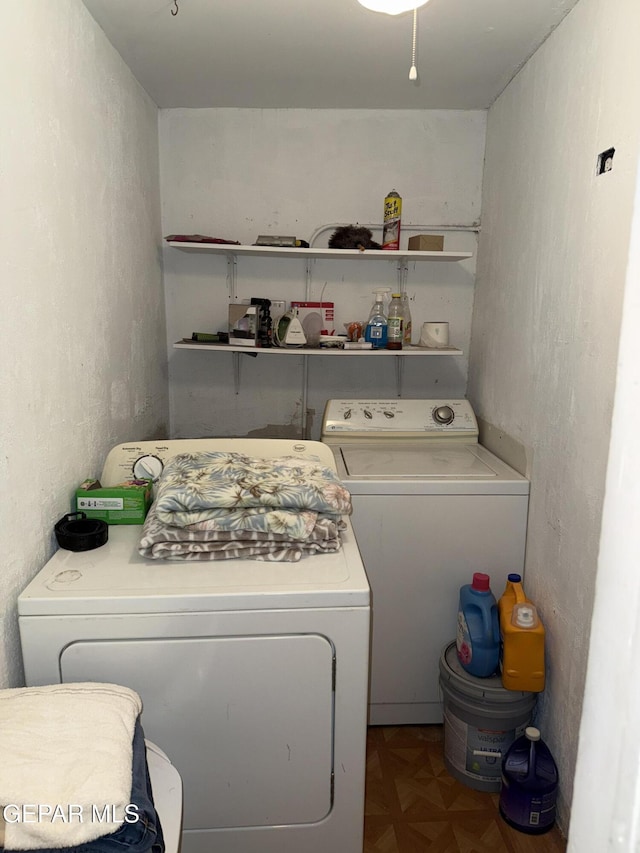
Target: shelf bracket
236	372
399	372
232	276
308	278
305	397
403	273
236	366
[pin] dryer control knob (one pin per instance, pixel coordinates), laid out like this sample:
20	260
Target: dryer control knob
443	415
148	467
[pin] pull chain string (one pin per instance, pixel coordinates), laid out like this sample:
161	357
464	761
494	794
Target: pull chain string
413	72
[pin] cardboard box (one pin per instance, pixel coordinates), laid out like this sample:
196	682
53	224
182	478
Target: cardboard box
426	243
125	503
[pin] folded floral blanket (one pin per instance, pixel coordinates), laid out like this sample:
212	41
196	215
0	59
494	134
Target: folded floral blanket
198	487
200	542
224	506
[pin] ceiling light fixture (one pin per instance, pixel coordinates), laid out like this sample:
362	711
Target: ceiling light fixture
396	7
392	7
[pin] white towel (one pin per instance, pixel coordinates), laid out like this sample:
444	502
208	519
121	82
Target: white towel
65	762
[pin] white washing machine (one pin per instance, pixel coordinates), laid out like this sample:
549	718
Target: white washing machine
430	507
253	674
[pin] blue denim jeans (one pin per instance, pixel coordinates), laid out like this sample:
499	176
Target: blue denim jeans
142	836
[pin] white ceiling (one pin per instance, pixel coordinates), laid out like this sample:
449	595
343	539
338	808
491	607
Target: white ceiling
325	53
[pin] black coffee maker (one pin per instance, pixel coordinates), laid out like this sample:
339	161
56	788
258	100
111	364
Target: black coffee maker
264	324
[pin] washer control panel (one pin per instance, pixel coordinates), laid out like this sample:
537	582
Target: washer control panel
399	418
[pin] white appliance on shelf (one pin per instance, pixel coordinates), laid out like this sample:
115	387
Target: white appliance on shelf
431	506
253	674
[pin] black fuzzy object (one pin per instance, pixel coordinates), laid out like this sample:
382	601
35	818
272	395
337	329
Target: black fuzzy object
352	237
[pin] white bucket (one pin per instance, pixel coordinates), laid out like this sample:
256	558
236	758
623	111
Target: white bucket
481	721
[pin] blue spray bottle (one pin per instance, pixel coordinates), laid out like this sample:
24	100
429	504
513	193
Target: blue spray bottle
376	331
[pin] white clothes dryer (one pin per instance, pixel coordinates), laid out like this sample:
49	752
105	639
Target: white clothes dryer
430	507
253	674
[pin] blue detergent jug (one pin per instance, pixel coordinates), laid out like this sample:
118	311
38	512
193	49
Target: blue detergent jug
529	784
478	638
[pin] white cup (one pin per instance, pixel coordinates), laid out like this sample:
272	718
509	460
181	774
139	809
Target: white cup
434	335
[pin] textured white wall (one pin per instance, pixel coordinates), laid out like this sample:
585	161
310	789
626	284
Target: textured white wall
240	173
82	321
551	271
607	783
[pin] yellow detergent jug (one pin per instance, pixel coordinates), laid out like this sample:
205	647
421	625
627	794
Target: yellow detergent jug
522	634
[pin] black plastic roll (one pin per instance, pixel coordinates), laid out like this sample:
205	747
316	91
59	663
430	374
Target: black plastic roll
76	532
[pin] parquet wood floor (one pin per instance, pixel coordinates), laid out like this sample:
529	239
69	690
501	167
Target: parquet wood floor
413	805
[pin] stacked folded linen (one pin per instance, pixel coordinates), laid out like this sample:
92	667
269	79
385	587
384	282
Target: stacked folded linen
221	506
162	541
73	774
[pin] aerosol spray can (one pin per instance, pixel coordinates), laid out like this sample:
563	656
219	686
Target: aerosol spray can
392	215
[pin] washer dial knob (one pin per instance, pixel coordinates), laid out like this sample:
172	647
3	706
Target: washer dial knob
148	468
443	415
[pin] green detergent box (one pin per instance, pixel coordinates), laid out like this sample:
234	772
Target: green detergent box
125	503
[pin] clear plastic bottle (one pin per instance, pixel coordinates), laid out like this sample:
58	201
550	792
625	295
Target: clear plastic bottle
395	323
376	332
406	334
